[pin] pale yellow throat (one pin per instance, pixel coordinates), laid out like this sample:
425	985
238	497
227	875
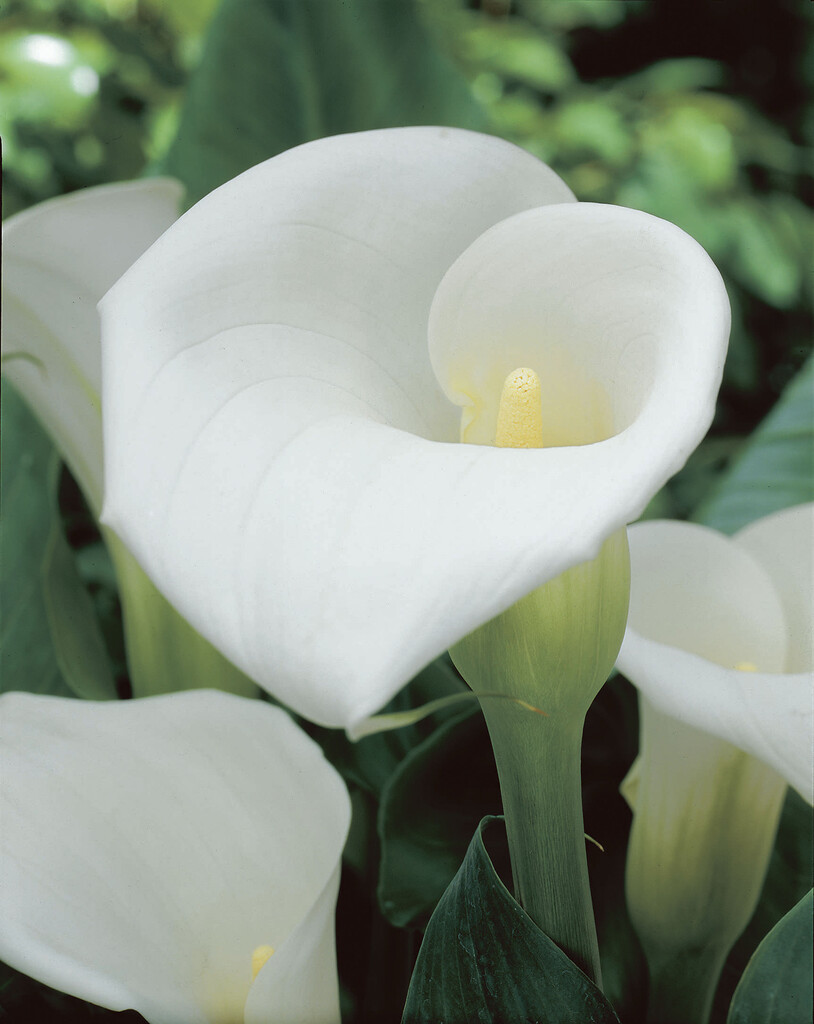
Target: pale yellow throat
746	666
259	957
520	413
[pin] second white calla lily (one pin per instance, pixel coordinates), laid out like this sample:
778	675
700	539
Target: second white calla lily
149	848
289	371
719	635
59	259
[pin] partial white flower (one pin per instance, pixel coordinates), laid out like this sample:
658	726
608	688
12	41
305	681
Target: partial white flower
283	407
149	848
702	605
59	259
718	636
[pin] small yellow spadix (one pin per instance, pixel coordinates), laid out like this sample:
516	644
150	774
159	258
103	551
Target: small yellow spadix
259	957
746	666
520	413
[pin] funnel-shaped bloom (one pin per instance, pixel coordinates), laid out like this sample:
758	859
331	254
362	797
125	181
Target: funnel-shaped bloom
718	639
59	259
284	374
150	848
702	605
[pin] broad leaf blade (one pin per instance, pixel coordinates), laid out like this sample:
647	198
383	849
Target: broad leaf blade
430	807
776	986
277	73
50	640
75	632
29	463
484	960
776	468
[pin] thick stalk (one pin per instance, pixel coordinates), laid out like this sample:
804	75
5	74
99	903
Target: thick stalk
682	988
538	762
552	651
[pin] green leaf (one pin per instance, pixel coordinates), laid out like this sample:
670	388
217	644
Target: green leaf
277	73
484	960
50	640
429	809
775	470
29	464
776	986
787	881
370	761
75	632
765	255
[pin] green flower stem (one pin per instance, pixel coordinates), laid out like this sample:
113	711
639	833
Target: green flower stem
538	761
682	988
164	653
552	650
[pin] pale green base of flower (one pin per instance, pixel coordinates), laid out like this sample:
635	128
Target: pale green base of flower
164	653
553	650
705	818
683	984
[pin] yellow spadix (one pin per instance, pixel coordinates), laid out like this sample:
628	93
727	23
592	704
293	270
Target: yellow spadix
259	957
520	413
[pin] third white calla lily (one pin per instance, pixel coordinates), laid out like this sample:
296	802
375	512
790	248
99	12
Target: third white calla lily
289	371
719	634
154	851
719	644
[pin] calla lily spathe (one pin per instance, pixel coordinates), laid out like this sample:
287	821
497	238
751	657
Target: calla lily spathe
59	259
703	604
288	373
718	638
149	847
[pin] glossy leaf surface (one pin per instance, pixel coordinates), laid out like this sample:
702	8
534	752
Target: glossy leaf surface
776	986
484	960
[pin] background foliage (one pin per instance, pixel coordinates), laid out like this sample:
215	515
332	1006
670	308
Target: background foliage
698	112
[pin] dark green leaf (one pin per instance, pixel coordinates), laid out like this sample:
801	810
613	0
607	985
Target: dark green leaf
775	470
75	632
50	640
764	254
28	472
370	762
484	960
787	881
429	809
277	73
776	986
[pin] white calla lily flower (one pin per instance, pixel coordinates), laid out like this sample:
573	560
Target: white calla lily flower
289	370
59	259
719	634
719	644
157	853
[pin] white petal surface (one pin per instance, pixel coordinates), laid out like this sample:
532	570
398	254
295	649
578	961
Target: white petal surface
700	605
59	259
280	455
783	543
148	847
703	830
298	985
